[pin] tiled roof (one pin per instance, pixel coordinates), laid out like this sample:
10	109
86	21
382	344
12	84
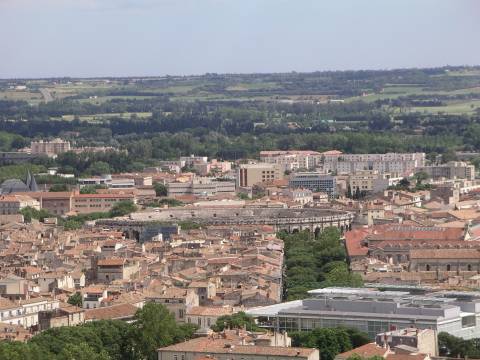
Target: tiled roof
221	346
119	311
365	351
111	262
353	241
209	311
445	254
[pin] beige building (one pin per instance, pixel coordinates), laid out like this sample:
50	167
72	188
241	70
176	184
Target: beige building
66	315
13	287
291	159
450	170
206	316
251	174
12	204
453	261
88	203
176	300
50	148
25	312
112	269
371	181
56	203
200	186
224	349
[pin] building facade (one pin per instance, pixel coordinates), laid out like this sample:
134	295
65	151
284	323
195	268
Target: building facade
251	174
374	311
315	182
49	148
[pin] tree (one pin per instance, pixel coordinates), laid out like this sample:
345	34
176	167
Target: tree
329	341
76	299
404	183
421	176
122	208
160	189
58	188
30	213
99	168
239	320
92	189
156	327
81	351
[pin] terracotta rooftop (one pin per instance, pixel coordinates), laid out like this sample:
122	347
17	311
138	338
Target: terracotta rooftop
224	346
209	311
445	254
120	311
365	351
111	262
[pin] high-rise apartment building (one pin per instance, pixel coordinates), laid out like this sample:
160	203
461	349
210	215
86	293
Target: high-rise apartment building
251	174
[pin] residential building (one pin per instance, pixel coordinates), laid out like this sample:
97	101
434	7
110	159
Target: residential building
450	170
88	203
314	181
25	312
93	296
124	312
108	270
200	186
396	163
371	181
56	203
299	195
65	315
13	287
374	311
224	348
177	300
50	148
12	204
206	316
251	174
291	159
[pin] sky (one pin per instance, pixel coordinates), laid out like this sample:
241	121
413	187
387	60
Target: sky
90	38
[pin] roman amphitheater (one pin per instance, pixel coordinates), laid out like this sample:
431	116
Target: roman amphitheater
291	220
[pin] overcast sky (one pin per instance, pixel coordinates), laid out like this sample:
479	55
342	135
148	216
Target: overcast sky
42	38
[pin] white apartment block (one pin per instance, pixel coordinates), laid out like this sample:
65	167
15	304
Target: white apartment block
201	186
394	163
337	162
291	159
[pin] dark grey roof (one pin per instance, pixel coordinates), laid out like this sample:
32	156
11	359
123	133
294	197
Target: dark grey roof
13	185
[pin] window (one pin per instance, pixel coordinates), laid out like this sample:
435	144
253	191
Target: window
427	267
180	313
449	267
469	267
199	322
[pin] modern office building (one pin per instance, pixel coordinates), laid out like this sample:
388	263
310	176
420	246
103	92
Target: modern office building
251	174
314	181
373	311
